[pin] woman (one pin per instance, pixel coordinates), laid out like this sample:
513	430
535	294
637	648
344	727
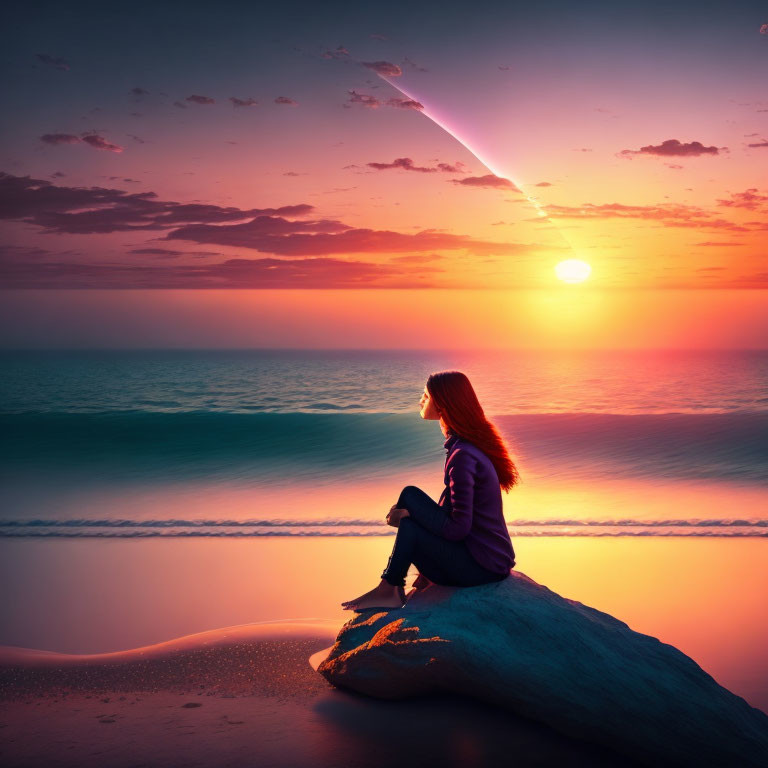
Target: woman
462	540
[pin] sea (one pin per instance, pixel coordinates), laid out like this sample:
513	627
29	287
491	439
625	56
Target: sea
286	442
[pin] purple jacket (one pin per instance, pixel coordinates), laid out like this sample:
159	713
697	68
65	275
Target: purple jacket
472	497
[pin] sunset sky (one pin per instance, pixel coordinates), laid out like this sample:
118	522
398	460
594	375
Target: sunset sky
343	174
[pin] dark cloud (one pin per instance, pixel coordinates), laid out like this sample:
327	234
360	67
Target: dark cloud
234	273
412	65
674	148
138	92
59	209
321	238
200	99
60	138
92	139
490	181
385	68
179	104
157	252
285	100
759	143
53	61
404	163
23	253
243	102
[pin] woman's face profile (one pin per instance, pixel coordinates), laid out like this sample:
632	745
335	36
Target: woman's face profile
427	407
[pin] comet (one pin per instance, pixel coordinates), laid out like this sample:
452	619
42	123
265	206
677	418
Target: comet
534	201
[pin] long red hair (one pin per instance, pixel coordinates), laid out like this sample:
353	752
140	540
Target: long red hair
460	409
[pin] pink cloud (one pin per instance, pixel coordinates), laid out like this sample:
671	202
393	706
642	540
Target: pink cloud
759	143
670	215
92	139
385	68
672	147
286	100
99	142
751	199
363	98
489	181
405	104
340	53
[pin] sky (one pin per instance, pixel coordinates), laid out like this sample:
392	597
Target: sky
405	175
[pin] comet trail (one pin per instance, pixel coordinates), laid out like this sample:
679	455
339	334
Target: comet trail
532	200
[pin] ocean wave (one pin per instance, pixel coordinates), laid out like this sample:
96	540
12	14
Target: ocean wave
270	446
266	523
126	528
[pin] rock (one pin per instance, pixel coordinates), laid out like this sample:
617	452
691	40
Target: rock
517	644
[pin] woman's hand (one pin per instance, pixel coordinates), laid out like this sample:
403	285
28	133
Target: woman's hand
395	515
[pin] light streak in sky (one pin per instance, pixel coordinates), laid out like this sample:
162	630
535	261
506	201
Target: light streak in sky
540	209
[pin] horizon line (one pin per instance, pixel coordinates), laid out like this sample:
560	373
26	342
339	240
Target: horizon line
379	349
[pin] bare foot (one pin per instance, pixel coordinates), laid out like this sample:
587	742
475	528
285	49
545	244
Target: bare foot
385	596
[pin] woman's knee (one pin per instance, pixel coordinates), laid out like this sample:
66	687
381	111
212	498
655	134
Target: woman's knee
408	493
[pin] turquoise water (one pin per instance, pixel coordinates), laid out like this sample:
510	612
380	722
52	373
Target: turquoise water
122	423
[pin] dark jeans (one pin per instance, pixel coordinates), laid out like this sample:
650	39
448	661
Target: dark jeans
442	561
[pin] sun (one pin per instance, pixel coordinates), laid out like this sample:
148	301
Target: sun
573	271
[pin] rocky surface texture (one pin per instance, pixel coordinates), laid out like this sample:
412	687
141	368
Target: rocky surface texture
517	644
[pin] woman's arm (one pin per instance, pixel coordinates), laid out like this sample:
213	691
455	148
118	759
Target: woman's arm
461	482
452	524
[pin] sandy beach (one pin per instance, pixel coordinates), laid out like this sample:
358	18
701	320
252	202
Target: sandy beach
247	695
